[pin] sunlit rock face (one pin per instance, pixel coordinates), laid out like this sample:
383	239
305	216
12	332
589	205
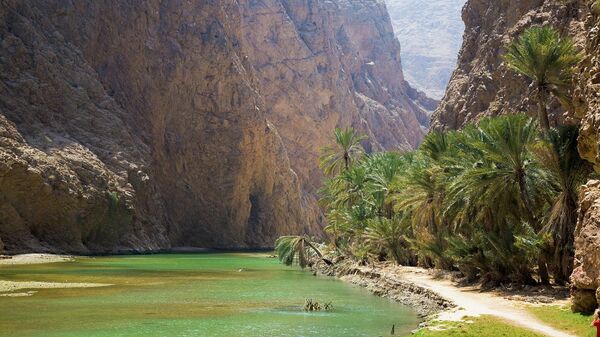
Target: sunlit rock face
481	85
586	276
142	125
430	33
323	64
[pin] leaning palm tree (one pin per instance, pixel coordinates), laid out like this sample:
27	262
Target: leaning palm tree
344	154
560	157
288	248
541	54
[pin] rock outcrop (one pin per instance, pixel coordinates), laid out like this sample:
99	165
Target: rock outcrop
481	85
141	125
323	64
586	275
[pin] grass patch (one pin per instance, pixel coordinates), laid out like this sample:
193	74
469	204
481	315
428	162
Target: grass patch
484	326
563	319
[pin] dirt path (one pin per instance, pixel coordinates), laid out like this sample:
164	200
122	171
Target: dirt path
472	302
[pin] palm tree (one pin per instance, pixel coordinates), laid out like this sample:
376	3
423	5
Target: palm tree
541	54
420	193
344	154
389	236
560	157
288	247
384	168
501	184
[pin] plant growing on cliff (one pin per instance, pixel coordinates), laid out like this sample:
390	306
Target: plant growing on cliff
345	153
296	248
548	59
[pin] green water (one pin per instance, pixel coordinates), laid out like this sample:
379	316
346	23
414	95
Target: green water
192	295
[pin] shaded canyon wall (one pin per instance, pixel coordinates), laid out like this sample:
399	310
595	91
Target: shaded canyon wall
141	125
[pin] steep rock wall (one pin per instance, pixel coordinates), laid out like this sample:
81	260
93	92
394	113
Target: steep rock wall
481	85
140	125
323	64
136	125
586	276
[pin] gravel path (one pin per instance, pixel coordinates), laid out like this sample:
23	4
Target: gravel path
472	302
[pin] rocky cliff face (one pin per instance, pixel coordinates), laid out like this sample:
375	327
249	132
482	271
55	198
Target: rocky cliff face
139	125
323	64
586	276
481	85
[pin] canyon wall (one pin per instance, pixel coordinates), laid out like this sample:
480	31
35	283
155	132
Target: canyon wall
142	125
481	85
430	33
586	276
323	64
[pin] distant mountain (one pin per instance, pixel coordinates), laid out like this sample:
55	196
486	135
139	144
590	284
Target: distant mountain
430	33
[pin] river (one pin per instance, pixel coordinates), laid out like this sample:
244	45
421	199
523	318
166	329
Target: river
208	294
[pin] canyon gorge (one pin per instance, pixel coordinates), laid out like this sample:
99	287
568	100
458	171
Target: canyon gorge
143	125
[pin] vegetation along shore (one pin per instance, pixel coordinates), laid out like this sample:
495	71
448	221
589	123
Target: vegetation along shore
494	203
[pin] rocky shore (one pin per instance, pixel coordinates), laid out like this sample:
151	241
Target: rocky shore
381	281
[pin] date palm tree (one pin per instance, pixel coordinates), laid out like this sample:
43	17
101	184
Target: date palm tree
346	151
389	236
502	186
420	193
288	248
559	156
548	59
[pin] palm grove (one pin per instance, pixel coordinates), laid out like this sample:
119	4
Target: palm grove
496	200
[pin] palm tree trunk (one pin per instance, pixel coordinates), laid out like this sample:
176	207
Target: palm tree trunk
316	250
563	239
525	198
542	268
543	109
346	161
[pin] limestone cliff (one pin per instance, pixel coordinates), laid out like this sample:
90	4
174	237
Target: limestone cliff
140	125
323	64
586	276
481	85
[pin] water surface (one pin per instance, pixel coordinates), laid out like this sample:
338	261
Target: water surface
226	295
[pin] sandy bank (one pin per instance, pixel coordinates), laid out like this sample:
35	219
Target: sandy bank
33	259
11	286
